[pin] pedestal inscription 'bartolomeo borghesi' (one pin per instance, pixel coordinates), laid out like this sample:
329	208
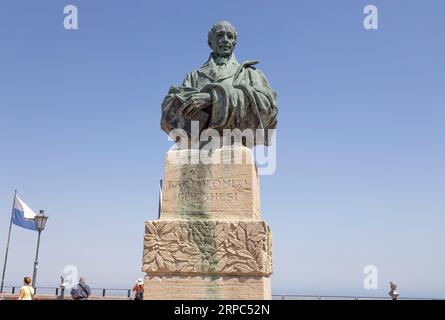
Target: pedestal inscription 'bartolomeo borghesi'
210	241
222	94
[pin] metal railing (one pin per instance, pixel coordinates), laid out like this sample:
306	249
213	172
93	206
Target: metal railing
56	291
127	294
320	297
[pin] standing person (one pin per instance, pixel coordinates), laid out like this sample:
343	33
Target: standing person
393	293
139	290
82	291
26	292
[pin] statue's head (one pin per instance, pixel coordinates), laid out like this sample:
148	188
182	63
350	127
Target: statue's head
222	38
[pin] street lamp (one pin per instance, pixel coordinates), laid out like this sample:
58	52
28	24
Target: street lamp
40	221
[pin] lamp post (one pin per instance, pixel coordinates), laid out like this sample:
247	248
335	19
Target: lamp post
62	288
40	221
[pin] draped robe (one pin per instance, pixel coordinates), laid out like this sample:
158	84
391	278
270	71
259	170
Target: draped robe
241	99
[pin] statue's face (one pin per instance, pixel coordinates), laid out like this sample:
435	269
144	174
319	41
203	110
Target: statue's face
223	40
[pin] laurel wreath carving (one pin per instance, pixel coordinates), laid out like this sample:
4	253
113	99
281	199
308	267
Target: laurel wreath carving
207	247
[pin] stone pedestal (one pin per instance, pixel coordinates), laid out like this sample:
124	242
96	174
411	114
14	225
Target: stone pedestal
209	242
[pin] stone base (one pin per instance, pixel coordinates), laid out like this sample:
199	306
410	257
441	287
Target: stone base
216	191
181	287
207	248
209	241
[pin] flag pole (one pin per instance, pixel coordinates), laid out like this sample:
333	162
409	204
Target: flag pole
7	246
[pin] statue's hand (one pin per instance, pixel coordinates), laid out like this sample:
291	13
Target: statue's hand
196	103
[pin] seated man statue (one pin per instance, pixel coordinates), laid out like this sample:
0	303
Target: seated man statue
222	93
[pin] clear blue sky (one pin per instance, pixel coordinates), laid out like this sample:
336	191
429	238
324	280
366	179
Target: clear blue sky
361	160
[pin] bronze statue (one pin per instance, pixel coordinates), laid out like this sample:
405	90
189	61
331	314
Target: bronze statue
222	93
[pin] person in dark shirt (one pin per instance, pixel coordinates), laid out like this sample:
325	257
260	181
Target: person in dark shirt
82	291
